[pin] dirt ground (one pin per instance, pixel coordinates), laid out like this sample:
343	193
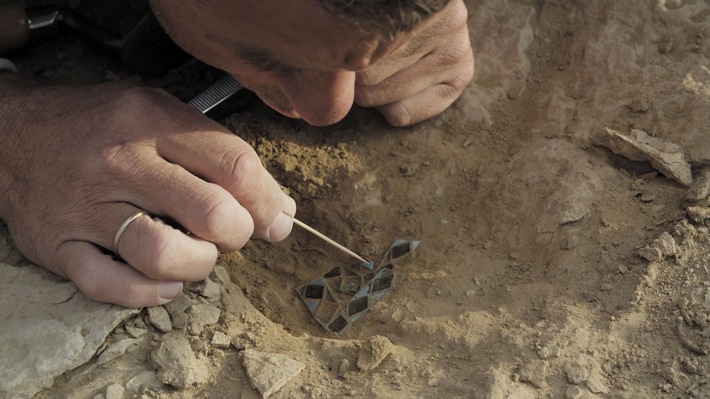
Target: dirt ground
528	282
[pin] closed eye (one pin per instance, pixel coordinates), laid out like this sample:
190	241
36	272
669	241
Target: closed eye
264	61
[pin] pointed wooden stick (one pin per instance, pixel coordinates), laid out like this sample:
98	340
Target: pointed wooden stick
328	240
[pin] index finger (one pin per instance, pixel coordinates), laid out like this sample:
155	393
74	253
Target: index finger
219	156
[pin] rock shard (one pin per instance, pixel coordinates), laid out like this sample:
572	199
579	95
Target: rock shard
269	372
668	158
47	328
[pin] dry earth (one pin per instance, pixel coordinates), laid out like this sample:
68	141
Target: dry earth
528	282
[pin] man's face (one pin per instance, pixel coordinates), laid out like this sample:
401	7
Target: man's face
300	60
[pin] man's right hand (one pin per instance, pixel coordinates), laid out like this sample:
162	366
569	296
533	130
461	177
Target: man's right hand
77	162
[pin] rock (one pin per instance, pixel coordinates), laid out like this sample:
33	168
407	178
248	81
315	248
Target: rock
373	352
115	391
117	349
666	157
666	244
143	381
136	328
211	290
269	372
202	315
177	364
698	214
220	340
651	254
549	351
576	373
99	396
180	321
178	305
700	189
46	328
533	372
159	317
597	385
221	275
573	392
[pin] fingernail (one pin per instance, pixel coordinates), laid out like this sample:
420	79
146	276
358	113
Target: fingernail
280	227
168	290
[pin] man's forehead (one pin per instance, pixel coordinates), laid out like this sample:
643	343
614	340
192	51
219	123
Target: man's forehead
298	35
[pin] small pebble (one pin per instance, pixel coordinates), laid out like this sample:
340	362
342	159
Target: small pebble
159	317
220	340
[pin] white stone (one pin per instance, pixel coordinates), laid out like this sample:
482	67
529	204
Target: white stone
269	372
46	328
115	391
117	349
220	340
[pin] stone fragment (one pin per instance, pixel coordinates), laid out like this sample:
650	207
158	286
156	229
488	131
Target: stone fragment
596	384
99	396
373	352
269	372
576	373
533	372
178	305
700	189
159	318
573	392
220	340
651	254
668	158
143	381
666	244
211	290
177	364
136	328
220	274
202	315
48	327
698	214
117	349
180	321
549	351
115	391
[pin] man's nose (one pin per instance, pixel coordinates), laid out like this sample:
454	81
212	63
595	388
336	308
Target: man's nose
320	98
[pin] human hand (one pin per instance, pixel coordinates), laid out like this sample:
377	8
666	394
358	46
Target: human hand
77	162
425	77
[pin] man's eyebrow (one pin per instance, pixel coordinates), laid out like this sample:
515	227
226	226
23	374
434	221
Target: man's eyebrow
263	61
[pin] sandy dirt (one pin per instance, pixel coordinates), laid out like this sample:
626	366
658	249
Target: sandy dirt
528	282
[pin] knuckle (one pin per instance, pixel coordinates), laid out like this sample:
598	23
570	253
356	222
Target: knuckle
138	100
161	259
364	97
220	219
241	165
369	77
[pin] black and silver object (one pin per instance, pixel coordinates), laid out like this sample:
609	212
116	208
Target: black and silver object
222	98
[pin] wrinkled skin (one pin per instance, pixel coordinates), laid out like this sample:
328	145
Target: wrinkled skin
76	162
